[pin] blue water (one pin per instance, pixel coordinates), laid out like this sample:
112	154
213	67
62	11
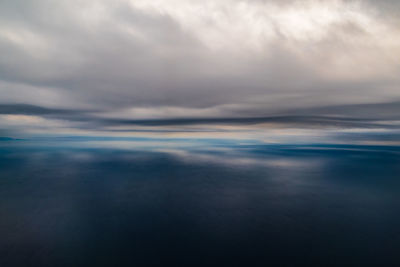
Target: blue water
234	204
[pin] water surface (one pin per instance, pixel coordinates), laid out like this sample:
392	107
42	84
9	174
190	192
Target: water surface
198	204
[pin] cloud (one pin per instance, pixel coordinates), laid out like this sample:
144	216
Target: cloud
48	120
34	110
143	60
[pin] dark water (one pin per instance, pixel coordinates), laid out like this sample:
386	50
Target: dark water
246	205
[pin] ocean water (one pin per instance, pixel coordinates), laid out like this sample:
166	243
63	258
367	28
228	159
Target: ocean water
198	203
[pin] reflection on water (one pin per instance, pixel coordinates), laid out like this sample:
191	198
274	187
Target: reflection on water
223	203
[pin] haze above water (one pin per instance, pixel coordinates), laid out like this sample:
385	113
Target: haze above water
80	201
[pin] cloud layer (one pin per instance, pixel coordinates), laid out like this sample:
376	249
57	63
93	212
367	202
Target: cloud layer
122	61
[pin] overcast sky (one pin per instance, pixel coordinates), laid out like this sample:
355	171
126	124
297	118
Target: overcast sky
116	61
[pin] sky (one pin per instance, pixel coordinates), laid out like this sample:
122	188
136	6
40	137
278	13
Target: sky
120	66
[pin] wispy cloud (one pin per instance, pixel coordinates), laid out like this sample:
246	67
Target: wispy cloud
101	64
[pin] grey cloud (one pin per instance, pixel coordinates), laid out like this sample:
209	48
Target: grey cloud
25	109
288	121
106	56
344	116
374	111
